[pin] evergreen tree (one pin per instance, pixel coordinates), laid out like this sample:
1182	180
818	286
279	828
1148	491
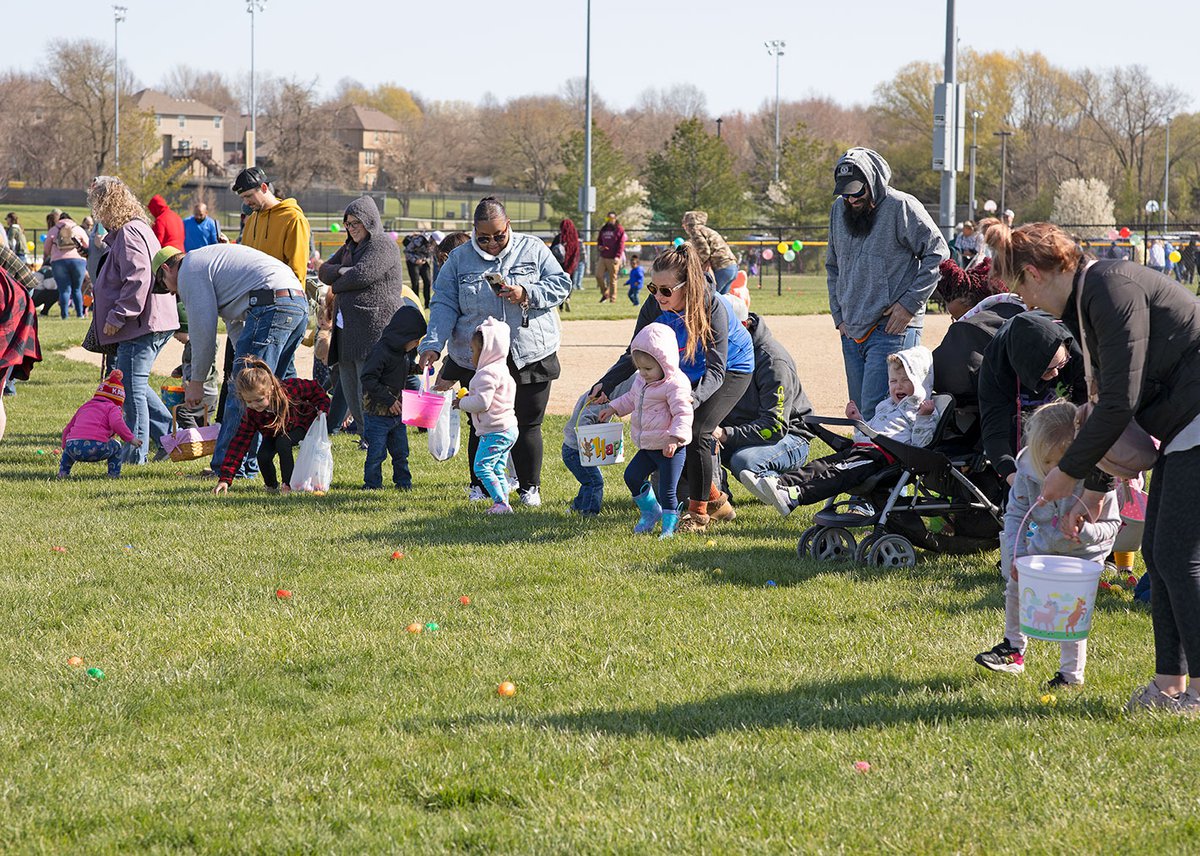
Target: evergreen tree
612	176
695	171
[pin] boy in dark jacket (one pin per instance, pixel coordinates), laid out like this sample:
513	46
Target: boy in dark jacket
384	376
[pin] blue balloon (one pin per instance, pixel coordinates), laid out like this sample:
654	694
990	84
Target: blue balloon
678	242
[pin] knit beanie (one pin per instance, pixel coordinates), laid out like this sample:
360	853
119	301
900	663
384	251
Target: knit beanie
112	388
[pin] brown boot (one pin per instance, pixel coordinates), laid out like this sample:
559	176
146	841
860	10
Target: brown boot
721	509
696	519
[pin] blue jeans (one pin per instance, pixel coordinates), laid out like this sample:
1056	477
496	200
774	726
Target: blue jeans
385	435
725	277
577	277
784	456
647	461
591	482
91	451
490	463
866	365
68	276
145	414
271	333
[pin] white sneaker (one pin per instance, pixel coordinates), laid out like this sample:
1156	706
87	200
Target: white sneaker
750	482
1152	698
477	494
531	497
779	497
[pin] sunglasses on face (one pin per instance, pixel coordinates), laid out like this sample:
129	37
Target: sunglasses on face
858	195
665	289
497	239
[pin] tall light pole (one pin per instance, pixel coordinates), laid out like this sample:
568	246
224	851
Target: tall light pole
1003	135
719	121
118	17
976	115
1167	178
948	204
775	48
251	155
587	193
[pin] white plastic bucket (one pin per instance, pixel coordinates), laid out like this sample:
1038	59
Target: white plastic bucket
1058	594
602	444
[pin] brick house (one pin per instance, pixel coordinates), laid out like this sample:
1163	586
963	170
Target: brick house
189	130
366	133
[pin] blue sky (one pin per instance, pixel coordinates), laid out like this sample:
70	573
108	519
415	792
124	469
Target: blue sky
515	47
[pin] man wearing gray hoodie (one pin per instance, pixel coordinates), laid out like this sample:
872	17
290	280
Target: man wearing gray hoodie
881	265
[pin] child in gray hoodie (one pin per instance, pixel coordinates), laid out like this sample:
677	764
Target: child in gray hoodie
1049	431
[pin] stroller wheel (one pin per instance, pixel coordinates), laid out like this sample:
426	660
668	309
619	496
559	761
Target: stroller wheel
892	551
833	544
863	550
804	545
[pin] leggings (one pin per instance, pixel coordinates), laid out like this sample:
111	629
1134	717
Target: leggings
646	461
282	445
1173	562
420	271
530	407
699	464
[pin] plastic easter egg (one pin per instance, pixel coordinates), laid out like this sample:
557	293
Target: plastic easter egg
464	600
414	628
283	594
75	661
768	255
862	766
431	626
397	555
96	674
507	689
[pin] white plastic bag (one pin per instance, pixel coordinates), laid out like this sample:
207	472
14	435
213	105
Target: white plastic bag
314	465
444	436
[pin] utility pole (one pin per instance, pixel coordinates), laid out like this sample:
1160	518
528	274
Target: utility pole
252	141
775	48
587	193
118	17
1167	178
948	138
1003	135
976	115
719	121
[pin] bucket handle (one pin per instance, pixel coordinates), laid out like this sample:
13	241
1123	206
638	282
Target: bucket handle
1023	532
426	377
586	403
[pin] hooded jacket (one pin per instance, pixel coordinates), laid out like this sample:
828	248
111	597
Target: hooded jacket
775	404
1013	365
389	366
123	290
1044	537
168	226
896	262
98	419
899	419
661	411
957	360
368	294
281	231
492	391
709	244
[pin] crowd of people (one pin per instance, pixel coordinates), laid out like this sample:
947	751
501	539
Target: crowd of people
707	387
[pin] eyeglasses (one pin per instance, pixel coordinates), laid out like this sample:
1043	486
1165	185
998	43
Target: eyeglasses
496	239
1055	368
350	223
858	195
665	289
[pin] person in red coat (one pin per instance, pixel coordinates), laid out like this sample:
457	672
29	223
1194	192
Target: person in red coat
168	226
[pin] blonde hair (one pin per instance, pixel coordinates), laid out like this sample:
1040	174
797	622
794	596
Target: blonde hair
1050	429
256	380
113	203
684	262
1042	245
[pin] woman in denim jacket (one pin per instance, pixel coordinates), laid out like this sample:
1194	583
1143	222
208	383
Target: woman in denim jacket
534	284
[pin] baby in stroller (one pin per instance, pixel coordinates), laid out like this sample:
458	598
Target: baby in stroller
907	415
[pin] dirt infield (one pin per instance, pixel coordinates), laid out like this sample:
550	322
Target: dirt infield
590	347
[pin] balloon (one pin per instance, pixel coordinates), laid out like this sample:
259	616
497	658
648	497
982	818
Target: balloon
789	256
1136	240
990	206
334	227
1124	233
678	242
797	246
1175	257
393	235
29	246
768	254
1112	234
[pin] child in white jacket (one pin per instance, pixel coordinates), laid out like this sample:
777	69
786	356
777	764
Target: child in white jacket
1049	432
660	402
906	415
490	400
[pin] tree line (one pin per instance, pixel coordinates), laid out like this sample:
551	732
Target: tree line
652	161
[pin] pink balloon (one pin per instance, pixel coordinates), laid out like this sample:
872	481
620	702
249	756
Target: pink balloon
768	255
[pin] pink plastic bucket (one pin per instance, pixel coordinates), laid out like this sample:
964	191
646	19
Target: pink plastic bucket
421	409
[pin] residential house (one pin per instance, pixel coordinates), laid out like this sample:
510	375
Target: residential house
189	130
366	133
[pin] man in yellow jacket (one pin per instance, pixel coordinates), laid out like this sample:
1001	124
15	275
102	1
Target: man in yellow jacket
276	226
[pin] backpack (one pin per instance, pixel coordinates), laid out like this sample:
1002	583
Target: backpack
66	237
559	251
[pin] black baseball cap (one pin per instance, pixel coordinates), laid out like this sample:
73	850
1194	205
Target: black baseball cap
250	178
849	180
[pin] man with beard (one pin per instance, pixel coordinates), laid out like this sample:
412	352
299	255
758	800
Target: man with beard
882	265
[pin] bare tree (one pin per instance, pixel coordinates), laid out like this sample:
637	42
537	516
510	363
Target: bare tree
298	142
427	154
209	87
531	132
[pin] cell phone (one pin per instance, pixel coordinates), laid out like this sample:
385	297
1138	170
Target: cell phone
495	281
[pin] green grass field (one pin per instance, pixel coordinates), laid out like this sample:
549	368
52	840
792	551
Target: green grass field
668	699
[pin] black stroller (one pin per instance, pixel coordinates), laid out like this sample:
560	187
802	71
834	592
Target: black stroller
943	497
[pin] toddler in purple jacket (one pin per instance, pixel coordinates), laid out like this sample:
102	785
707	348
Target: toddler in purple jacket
89	434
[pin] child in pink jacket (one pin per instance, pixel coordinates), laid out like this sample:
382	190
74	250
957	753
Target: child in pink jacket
490	400
89	434
660	402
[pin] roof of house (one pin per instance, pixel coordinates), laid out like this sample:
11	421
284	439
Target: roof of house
164	105
355	118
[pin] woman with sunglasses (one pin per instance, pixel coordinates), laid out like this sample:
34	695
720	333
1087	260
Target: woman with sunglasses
716	354
367	281
127	312
1143	336
529	284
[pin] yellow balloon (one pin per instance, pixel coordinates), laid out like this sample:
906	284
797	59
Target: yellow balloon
29	246
1175	257
782	246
